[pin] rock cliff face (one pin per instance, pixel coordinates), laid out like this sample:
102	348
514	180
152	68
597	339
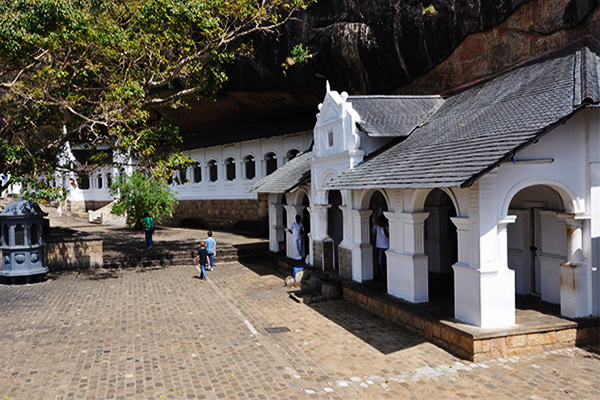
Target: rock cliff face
390	46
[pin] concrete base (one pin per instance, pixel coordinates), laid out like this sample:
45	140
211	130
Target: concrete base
407	276
484	298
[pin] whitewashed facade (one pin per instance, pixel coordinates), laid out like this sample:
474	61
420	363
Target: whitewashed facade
529	226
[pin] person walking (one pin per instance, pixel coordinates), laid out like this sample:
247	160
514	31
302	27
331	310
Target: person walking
202	259
211	248
296	230
148	224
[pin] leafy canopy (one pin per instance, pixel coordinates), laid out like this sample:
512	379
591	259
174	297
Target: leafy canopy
103	74
137	195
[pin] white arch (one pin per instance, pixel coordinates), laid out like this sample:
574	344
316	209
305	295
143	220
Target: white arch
566	193
296	197
365	198
420	196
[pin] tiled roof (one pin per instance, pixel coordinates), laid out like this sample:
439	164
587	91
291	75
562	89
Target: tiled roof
393	115
476	129
287	177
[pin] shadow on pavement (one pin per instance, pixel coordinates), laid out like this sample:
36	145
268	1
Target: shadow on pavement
385	336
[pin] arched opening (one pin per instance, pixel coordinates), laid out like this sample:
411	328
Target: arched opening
378	205
537	243
183	176
271	163
100	181
230	169
197	171
5	237
213	171
335	223
441	246
35	234
19	235
292	154
306	223
250	167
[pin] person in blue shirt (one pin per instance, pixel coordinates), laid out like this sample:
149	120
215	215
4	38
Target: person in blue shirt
211	248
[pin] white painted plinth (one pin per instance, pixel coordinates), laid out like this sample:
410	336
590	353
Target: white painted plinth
484	298
574	300
407	276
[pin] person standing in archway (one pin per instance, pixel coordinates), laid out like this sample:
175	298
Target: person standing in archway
382	243
296	230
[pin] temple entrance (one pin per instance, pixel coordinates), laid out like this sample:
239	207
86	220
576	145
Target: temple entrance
335	224
441	245
378	205
537	242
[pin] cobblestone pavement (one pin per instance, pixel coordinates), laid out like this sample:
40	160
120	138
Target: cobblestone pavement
163	333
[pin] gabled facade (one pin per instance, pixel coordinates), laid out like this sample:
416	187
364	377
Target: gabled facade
490	192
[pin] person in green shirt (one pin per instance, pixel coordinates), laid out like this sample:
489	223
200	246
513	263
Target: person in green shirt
148	224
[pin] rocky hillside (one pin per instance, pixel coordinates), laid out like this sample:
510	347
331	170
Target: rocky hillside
390	46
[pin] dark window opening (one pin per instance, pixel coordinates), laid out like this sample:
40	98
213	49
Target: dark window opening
230	169
271	161
213	171
250	167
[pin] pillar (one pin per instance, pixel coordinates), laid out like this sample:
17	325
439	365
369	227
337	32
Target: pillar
408	276
575	284
362	251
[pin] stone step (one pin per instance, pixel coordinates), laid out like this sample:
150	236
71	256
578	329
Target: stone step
153	258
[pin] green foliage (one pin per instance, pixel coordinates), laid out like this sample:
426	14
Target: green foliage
300	54
108	72
138	194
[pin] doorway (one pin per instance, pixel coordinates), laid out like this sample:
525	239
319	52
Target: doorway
378	205
537	243
441	246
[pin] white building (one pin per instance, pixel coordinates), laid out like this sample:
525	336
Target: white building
490	192
213	192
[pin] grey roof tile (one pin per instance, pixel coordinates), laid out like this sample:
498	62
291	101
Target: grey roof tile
287	177
474	130
393	115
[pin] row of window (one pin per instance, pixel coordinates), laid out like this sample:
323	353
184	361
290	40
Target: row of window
249	168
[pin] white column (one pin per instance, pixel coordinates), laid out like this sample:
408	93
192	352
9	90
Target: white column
408	274
484	286
276	228
575	277
362	250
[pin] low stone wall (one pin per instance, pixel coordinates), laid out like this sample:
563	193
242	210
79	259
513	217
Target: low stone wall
473	347
74	254
238	215
345	262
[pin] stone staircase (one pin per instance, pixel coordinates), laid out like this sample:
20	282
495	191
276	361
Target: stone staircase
226	253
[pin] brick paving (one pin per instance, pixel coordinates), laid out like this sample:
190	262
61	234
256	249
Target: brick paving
163	333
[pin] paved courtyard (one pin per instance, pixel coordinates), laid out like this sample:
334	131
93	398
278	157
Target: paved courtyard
163	333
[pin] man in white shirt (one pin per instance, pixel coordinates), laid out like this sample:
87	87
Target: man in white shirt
296	230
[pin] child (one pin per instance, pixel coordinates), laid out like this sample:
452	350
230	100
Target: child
211	248
202	257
